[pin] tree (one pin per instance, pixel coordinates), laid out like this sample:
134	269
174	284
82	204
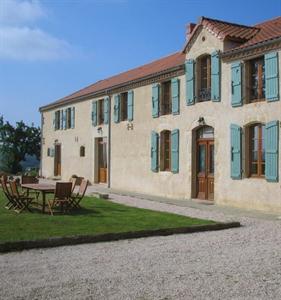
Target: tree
16	142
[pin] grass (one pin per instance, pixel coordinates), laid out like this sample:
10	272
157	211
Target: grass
97	216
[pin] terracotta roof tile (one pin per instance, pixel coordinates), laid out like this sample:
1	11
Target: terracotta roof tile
154	67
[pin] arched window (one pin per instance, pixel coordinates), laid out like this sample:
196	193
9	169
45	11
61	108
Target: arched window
82	151
256	150
165	150
204	78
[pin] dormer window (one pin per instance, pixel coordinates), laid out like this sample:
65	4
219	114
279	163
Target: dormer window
204	78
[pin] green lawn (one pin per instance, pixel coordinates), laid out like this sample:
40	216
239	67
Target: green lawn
96	217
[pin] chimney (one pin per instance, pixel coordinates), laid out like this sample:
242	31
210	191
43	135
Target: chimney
189	28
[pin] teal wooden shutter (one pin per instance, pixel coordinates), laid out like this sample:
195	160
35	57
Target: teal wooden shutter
190	81
65	119
175	96
130	105
215	76
54	120
61	119
155	100
236	84
175	151
94	113
72	117
106	110
271	151
154	151
117	108
271	76
235	141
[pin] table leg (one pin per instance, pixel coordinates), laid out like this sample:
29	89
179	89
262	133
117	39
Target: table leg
43	201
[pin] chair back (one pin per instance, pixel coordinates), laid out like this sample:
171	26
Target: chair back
82	188
63	190
28	179
5	188
14	189
73	181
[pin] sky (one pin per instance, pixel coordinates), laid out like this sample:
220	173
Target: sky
52	48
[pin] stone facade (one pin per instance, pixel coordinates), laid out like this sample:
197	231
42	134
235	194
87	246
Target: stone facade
129	157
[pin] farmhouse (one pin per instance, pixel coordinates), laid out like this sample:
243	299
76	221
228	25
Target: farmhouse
200	123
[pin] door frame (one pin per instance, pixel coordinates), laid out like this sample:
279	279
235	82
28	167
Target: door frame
194	160
98	140
57	168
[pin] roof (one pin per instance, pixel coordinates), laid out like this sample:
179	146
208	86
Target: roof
157	66
247	36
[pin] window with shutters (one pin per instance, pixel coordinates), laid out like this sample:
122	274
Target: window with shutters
166	98
256	148
82	151
100	111
203	70
124	106
165	150
255	80
68	118
57	119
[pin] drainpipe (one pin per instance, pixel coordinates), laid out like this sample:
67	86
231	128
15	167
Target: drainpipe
41	146
109	146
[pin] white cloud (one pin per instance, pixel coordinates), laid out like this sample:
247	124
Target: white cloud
20	41
31	44
20	12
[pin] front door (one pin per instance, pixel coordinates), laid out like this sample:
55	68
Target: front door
205	167
57	167
102	160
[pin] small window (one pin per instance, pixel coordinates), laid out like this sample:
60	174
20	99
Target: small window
57	119
165	150
124	107
255	80
82	151
256	150
49	152
68	118
204	78
100	107
166	98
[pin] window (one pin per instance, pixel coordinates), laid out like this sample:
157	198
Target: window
255	80
256	150
166	98
48	151
100	112
204	78
57	119
165	150
68	118
82	151
124	107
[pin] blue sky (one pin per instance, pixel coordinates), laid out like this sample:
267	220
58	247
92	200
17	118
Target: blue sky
51	48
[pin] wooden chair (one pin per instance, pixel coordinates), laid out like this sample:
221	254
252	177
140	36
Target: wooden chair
76	199
12	203
61	197
26	179
22	200
73	181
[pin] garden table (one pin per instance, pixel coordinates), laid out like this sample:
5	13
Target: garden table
43	188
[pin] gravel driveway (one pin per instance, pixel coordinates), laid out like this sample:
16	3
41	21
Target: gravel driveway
241	263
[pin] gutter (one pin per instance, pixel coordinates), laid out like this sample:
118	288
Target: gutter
255	46
107	91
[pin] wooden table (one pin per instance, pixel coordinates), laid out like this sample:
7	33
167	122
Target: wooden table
43	188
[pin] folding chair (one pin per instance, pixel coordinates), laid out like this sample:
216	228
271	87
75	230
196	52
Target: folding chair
23	201
73	181
61	197
75	200
26	179
12	203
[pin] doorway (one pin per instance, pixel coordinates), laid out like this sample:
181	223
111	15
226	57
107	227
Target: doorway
57	160
205	164
102	160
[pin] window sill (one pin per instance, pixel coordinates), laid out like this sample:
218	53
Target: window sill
256	101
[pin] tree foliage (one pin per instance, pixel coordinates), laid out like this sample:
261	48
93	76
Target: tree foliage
16	142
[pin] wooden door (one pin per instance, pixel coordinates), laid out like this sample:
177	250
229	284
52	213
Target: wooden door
57	167
102	160
205	169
